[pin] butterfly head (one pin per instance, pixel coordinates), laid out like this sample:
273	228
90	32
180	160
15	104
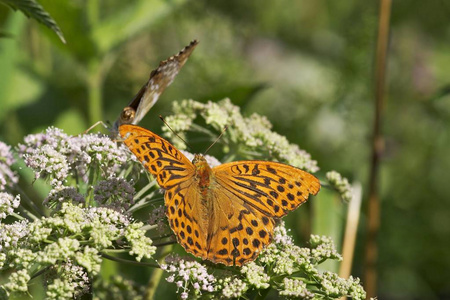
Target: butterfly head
199	161
127	115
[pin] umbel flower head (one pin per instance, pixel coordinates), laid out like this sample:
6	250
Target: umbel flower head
55	156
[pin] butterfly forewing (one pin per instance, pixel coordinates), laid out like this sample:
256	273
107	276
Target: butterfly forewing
187	218
174	172
272	188
168	165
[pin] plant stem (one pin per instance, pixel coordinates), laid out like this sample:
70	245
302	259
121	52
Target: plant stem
262	294
351	230
24	197
94	86
132	262
157	275
373	214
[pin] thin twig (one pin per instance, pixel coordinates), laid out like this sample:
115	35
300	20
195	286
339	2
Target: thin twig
373	213
351	229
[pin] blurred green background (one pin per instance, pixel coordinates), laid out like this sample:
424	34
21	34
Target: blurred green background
306	65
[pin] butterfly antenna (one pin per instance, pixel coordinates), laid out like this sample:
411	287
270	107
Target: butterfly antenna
167	124
218	138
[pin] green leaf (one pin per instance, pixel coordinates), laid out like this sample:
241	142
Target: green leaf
34	10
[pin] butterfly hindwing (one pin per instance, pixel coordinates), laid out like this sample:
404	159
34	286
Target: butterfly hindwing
239	231
187	217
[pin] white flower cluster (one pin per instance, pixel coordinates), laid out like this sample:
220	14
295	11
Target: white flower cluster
8	178
233	287
323	248
283	257
341	184
71	282
73	235
56	155
295	288
256	275
18	281
334	286
7	204
12	234
190	277
252	137
141	246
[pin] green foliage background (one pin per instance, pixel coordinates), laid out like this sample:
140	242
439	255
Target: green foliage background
306	65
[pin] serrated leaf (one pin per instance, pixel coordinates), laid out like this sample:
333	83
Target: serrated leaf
33	9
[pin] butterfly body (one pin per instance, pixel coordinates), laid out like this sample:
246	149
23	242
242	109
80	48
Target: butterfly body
224	214
202	174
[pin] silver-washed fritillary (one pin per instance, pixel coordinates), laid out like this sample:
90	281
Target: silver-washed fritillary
224	214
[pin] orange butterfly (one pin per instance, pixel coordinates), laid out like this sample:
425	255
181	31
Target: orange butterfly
224	214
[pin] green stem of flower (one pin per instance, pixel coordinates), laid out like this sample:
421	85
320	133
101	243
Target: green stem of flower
157	274
24	197
22	218
132	262
262	294
149	227
94	86
198	128
141	203
144	190
39	272
153	284
94	175
115	250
